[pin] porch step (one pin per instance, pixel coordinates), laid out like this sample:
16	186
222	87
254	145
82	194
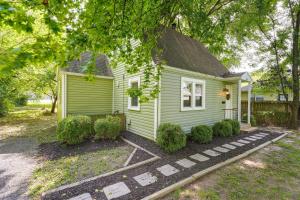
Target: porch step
246	128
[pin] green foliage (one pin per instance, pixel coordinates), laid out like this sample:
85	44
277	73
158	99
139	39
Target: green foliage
202	134
252	119
4	107
74	129
235	126
107	128
273	118
223	129
170	137
21	100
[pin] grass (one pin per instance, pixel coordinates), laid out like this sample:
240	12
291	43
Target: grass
32	121
73	168
272	173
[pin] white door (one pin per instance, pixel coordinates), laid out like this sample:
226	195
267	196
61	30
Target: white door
228	104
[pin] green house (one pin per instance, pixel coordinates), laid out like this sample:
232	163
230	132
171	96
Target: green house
195	89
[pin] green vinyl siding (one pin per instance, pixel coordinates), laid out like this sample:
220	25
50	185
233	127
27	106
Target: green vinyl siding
171	100
89	97
139	122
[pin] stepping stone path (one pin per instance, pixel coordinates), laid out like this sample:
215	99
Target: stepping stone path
221	149
145	179
186	163
211	153
237	144
228	146
84	196
243	141
167	170
199	157
116	190
260	135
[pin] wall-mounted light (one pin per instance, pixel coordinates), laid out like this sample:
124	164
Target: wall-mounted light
227	94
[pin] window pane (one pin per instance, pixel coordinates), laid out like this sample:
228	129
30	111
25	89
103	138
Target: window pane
134	101
198	101
198	90
187	94
134	85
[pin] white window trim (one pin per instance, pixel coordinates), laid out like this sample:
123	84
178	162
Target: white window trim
194	82
130	80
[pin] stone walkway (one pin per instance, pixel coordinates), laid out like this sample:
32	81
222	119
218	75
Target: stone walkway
145	180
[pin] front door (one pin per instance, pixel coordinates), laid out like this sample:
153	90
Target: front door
228	104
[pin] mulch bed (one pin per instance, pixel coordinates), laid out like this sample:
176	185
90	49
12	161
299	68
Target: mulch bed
94	187
139	156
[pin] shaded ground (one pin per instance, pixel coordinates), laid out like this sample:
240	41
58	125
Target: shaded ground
271	173
21	132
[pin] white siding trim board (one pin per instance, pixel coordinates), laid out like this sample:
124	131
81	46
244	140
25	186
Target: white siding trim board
79	74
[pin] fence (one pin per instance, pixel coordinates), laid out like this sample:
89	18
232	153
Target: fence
266	106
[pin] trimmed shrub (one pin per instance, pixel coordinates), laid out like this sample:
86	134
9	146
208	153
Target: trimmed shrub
107	128
223	129
235	126
74	129
170	137
202	134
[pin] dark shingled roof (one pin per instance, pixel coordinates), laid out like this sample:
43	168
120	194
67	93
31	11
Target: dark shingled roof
183	52
102	68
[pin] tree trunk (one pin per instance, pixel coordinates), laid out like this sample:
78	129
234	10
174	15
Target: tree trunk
295	72
53	104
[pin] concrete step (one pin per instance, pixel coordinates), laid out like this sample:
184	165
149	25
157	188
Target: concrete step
246	128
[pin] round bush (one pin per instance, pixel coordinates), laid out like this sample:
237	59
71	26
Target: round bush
107	128
170	137
235	126
74	129
202	134
223	129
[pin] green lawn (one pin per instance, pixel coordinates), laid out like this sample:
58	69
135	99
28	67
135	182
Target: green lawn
271	173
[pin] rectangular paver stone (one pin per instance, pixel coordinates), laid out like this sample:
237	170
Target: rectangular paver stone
167	170
84	196
243	141
145	179
116	190
199	157
228	146
256	137
211	153
250	139
237	144
221	149
264	133
259	135
186	163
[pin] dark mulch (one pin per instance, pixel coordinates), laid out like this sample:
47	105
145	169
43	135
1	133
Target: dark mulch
55	150
139	156
137	191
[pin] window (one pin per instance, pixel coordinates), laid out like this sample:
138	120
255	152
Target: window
192	94
133	102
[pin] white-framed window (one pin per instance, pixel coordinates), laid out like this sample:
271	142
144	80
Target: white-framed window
133	102
192	94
